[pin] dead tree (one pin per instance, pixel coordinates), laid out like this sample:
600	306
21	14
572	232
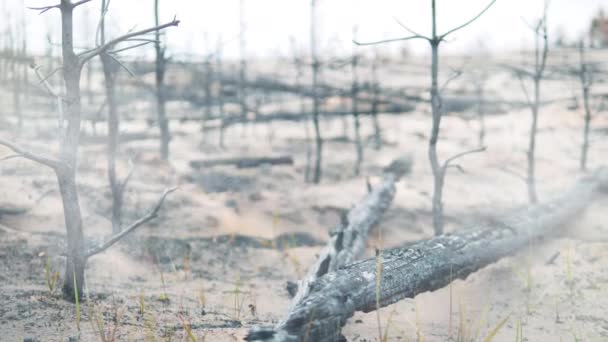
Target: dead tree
18	86
355	107
375	84
242	82
586	78
479	80
540	61
208	80
298	63
439	169
220	96
110	67
25	66
424	266
66	163
13	59
161	92
316	102
89	66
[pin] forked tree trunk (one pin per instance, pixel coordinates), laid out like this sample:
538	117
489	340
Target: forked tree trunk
425	266
66	164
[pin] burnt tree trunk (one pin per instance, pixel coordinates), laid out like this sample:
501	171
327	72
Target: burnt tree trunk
208	79
585	77
425	266
540	60
375	103
531	153
479	89
315	94
113	142
18	86
438	171
355	108
242	82
110	68
68	154
298	83
220	92
161	111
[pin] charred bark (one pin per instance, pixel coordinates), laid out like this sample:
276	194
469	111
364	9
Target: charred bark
242	163
161	68
315	96
425	266
355	108
349	240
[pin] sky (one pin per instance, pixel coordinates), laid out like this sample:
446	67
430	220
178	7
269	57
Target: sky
273	25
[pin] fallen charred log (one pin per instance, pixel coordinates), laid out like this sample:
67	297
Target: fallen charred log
243	162
425	266
349	240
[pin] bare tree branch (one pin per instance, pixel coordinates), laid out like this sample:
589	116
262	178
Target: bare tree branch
43	9
446	164
513	173
102	19
87	55
409	29
455	74
545	53
525	89
44	80
518	70
468	22
10	156
457	167
131	46
114	239
121	64
390	40
124	183
20	152
78	3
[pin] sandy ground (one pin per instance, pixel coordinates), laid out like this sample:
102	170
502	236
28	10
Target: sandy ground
219	261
